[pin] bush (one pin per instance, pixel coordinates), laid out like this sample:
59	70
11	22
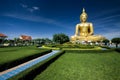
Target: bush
105	47
71	46
78	46
88	51
118	50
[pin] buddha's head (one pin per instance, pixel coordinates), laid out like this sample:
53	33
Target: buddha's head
83	16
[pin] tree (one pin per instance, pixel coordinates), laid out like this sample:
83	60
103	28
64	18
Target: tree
60	38
48	41
105	41
116	41
2	38
17	41
11	42
1	41
37	41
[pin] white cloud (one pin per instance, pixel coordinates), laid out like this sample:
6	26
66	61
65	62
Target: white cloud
111	35
35	8
31	9
108	31
109	17
104	13
36	19
24	6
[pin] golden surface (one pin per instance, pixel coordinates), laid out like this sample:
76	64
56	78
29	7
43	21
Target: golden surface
84	30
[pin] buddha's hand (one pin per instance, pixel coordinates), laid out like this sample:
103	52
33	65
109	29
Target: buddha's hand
89	34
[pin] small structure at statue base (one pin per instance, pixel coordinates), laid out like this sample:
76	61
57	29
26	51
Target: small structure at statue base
84	31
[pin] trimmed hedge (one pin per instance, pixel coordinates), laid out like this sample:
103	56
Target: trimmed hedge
105	47
10	64
30	73
89	51
71	46
118	50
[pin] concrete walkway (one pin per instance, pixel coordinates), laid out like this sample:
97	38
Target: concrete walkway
15	70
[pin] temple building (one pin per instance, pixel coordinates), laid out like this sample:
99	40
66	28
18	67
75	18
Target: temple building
2	36
25	38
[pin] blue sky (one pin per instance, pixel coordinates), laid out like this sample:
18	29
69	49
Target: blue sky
43	18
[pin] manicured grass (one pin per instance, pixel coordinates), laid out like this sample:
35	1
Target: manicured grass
12	56
84	66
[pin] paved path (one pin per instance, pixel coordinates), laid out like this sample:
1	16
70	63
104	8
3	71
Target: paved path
15	70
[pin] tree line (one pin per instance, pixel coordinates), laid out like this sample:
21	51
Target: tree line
59	38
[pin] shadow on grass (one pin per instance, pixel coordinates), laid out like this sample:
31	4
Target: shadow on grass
31	75
118	50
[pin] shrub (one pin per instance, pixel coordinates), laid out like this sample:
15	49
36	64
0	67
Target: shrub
88	51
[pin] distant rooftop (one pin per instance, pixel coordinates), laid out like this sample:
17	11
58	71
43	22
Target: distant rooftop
2	35
25	37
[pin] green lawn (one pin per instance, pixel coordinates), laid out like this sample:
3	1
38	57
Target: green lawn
84	66
10	54
7	54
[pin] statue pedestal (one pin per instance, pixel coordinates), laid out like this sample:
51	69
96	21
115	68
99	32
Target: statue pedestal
92	38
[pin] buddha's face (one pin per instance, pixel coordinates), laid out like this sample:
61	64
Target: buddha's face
83	18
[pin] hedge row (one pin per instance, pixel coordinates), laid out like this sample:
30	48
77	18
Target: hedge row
10	64
118	50
89	51
71	46
105	47
30	73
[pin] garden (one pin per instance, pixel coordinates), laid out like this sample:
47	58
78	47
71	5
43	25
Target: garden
12	56
72	62
76	65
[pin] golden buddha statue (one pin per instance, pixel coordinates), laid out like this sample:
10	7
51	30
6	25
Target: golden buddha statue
84	30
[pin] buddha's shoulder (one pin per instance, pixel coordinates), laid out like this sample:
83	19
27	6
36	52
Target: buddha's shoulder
78	24
88	23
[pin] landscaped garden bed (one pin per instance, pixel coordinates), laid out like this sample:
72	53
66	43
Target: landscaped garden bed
13	56
72	47
77	65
